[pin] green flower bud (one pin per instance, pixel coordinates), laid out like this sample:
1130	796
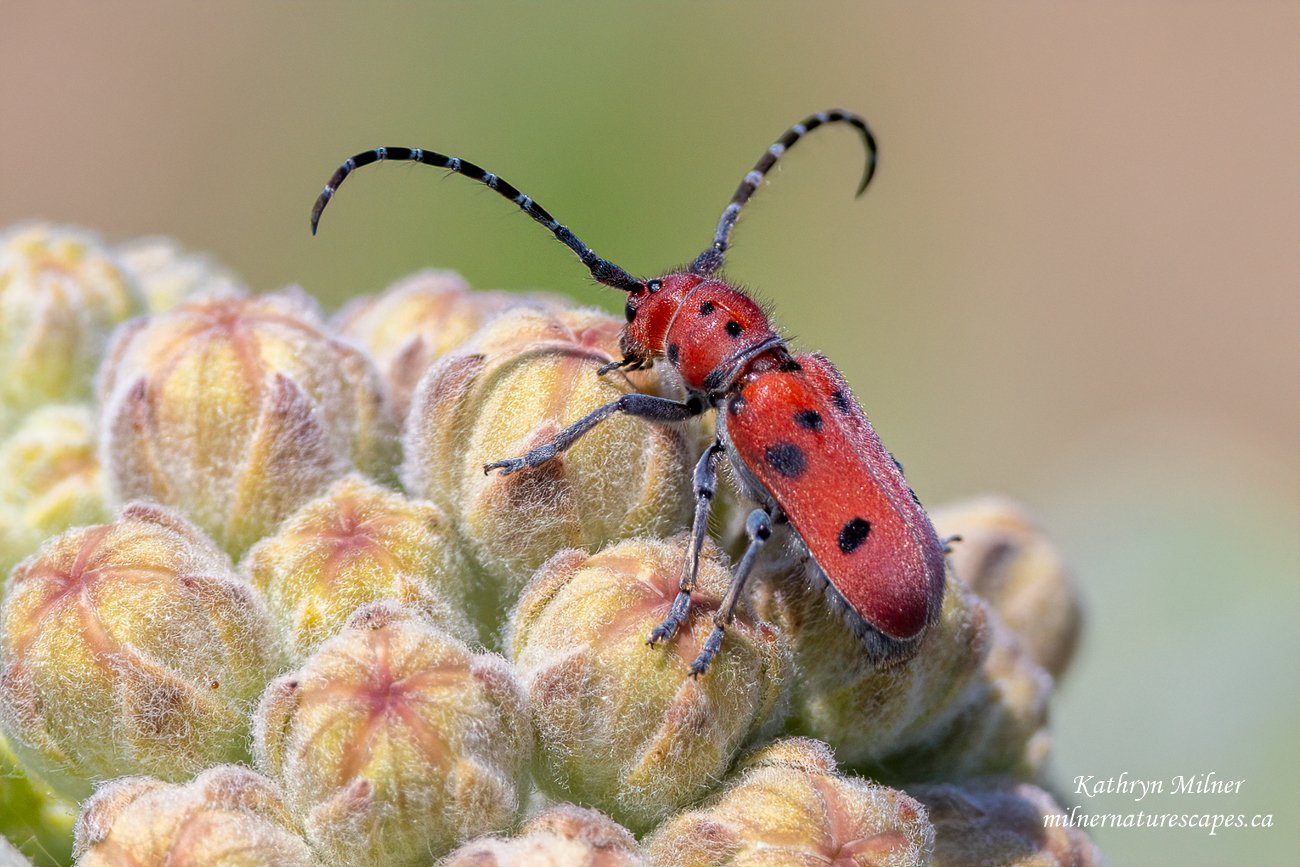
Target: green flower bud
419	319
563	836
227	816
168	274
1010	563
622	726
237	410
355	544
786	805
1002	824
916	719
52	480
32	815
525	376
128	647
61	293
394	742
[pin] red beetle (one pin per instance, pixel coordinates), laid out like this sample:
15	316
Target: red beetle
799	443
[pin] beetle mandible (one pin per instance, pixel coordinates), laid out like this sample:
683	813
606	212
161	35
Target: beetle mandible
799	443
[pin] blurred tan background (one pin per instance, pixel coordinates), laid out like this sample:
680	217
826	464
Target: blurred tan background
1075	279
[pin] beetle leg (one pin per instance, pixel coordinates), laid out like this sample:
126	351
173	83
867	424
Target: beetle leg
706	484
660	410
759	528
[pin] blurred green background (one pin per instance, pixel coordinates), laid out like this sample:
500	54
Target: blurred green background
1074	280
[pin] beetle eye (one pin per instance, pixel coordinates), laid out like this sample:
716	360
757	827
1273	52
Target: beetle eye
629	311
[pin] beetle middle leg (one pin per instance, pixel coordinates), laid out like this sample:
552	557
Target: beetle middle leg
758	526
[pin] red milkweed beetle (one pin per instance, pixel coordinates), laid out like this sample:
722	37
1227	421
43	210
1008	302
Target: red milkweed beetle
799	443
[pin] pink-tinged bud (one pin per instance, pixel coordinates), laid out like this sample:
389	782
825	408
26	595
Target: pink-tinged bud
622	726
524	377
1010	563
168	274
786	805
38	820
358	543
61	293
130	647
421	318
237	410
917	719
394	742
227	816
52	480
1003	824
563	836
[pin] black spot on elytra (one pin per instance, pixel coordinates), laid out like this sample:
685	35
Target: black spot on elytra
787	459
733	328
809	418
706	308
735	405
673	353
853	534
654	286
841	401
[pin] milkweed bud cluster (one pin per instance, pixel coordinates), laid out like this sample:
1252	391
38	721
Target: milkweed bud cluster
262	605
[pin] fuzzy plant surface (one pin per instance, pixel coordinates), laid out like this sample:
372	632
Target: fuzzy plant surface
260	604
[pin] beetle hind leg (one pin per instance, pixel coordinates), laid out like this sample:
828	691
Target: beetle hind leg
759	529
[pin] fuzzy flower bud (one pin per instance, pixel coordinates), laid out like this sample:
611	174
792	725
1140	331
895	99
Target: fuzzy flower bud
52	480
168	275
394	742
563	836
358	543
227	816
61	293
128	647
622	726
525	376
419	319
916	719
1010	563
31	814
786	805
1002	824
237	410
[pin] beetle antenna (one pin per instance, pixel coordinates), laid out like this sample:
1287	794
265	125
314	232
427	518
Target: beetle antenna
711	259
602	270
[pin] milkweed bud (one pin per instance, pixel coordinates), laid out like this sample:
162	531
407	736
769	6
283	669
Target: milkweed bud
394	742
419	319
168	274
52	480
1010	563
524	376
227	816
358	543
563	836
236	410
31	814
786	805
896	722
128	647
1002	824
61	293
621	726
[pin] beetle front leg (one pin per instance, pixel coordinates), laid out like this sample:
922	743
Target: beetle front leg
706	484
660	410
759	528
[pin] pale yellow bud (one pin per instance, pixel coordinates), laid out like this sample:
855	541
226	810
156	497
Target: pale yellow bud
168	274
358	543
130	647
622	726
563	836
524	377
421	318
1009	562
787	806
227	816
395	742
61	293
237	410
